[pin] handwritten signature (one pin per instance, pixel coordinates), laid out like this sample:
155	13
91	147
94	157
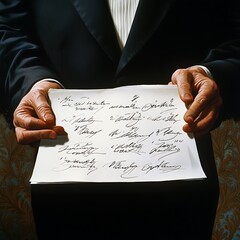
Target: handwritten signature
163	167
84	149
156	105
131	147
132	133
66	164
166	116
123	166
131	119
167	134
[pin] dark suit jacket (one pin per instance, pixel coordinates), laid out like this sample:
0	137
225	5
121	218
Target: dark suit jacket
74	41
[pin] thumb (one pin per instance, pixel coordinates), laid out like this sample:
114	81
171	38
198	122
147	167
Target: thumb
43	110
40	101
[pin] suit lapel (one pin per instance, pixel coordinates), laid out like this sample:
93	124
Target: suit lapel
96	16
148	16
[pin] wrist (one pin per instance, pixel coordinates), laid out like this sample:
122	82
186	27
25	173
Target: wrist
201	69
47	84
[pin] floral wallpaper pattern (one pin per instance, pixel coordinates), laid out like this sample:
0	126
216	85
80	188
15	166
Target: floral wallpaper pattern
226	142
16	164
17	161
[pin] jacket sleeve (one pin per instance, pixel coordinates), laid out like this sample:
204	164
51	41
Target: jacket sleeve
22	62
224	65
225	69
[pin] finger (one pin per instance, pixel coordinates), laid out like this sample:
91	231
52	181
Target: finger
196	130
42	107
24	117
34	111
59	130
32	123
195	109
183	79
204	122
28	136
208	95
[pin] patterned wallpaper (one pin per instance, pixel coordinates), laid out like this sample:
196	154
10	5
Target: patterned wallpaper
17	161
226	142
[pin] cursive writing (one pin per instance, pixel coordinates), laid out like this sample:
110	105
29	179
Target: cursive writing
83	104
84	130
131	134
78	119
128	106
84	149
156	105
166	116
167	134
126	169
163	167
131	118
67	164
163	148
127	148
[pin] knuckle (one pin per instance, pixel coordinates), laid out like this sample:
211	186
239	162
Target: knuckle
180	71
183	84
20	136
38	95
212	116
210	84
29	123
41	100
183	79
214	86
177	74
37	91
201	100
42	108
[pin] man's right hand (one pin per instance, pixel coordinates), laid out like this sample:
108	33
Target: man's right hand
33	118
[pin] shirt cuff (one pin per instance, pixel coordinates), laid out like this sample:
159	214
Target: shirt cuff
48	80
206	70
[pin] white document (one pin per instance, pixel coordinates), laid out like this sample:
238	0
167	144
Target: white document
125	134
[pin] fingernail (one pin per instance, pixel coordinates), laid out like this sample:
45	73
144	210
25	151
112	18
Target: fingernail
189	119
48	118
187	96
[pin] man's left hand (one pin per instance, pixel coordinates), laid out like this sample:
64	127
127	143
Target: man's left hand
201	96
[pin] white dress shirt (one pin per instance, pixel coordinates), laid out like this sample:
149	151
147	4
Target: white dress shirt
123	12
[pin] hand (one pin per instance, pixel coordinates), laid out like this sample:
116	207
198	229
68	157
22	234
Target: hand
33	118
201	96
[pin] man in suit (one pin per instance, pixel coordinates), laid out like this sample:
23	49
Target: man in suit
73	44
